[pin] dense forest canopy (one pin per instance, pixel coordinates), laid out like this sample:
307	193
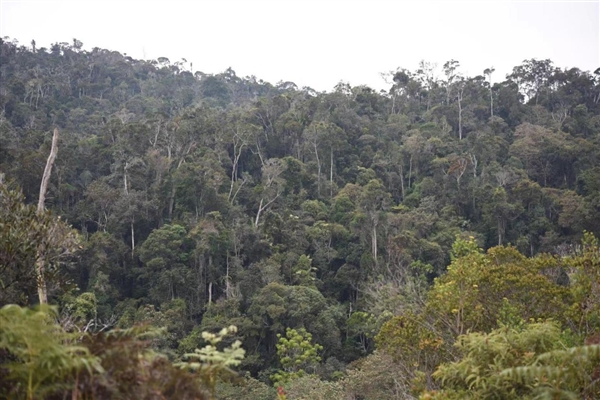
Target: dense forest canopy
359	240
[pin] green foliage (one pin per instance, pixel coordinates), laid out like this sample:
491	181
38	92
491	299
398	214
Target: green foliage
463	248
478	287
26	235
247	388
304	272
375	377
82	308
133	370
310	387
531	362
209	200
164	255
212	364
585	286
297	355
564	373
38	358
413	344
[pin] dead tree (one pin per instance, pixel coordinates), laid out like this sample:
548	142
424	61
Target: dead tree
40	265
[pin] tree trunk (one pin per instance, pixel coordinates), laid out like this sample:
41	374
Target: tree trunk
374	243
40	267
491	101
171	202
374	222
132	239
227	283
500	232
402	180
410	170
318	170
260	208
237	153
460	115
125	185
331	172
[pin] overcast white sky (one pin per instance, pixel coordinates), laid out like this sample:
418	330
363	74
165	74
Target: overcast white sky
319	43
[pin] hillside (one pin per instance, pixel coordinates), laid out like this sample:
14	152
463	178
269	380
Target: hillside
202	201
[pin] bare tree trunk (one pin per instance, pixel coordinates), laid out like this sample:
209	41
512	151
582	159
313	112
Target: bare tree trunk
318	169
237	153
48	171
132	240
474	163
410	163
260	208
491	102
331	172
500	226
227	283
40	267
459	114
125	185
402	180
374	242
171	202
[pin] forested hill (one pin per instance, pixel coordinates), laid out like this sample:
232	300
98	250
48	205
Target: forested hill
206	200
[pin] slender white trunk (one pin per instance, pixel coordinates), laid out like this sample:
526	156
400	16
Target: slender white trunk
40	265
227	283
491	101
260	208
460	115
499	232
374	242
318	169
402	180
410	164
331	172
132	239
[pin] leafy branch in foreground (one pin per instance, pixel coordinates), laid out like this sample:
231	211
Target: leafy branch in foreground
40	360
530	362
210	363
37	357
573	373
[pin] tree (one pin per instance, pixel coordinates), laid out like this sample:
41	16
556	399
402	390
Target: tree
40	266
488	72
567	373
39	357
272	185
460	90
479	374
373	201
533	77
297	354
477	287
164	255
450	68
211	363
304	271
24	231
415	346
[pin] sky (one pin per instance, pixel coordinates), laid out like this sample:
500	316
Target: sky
319	43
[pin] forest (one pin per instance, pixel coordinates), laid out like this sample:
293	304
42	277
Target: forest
210	236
